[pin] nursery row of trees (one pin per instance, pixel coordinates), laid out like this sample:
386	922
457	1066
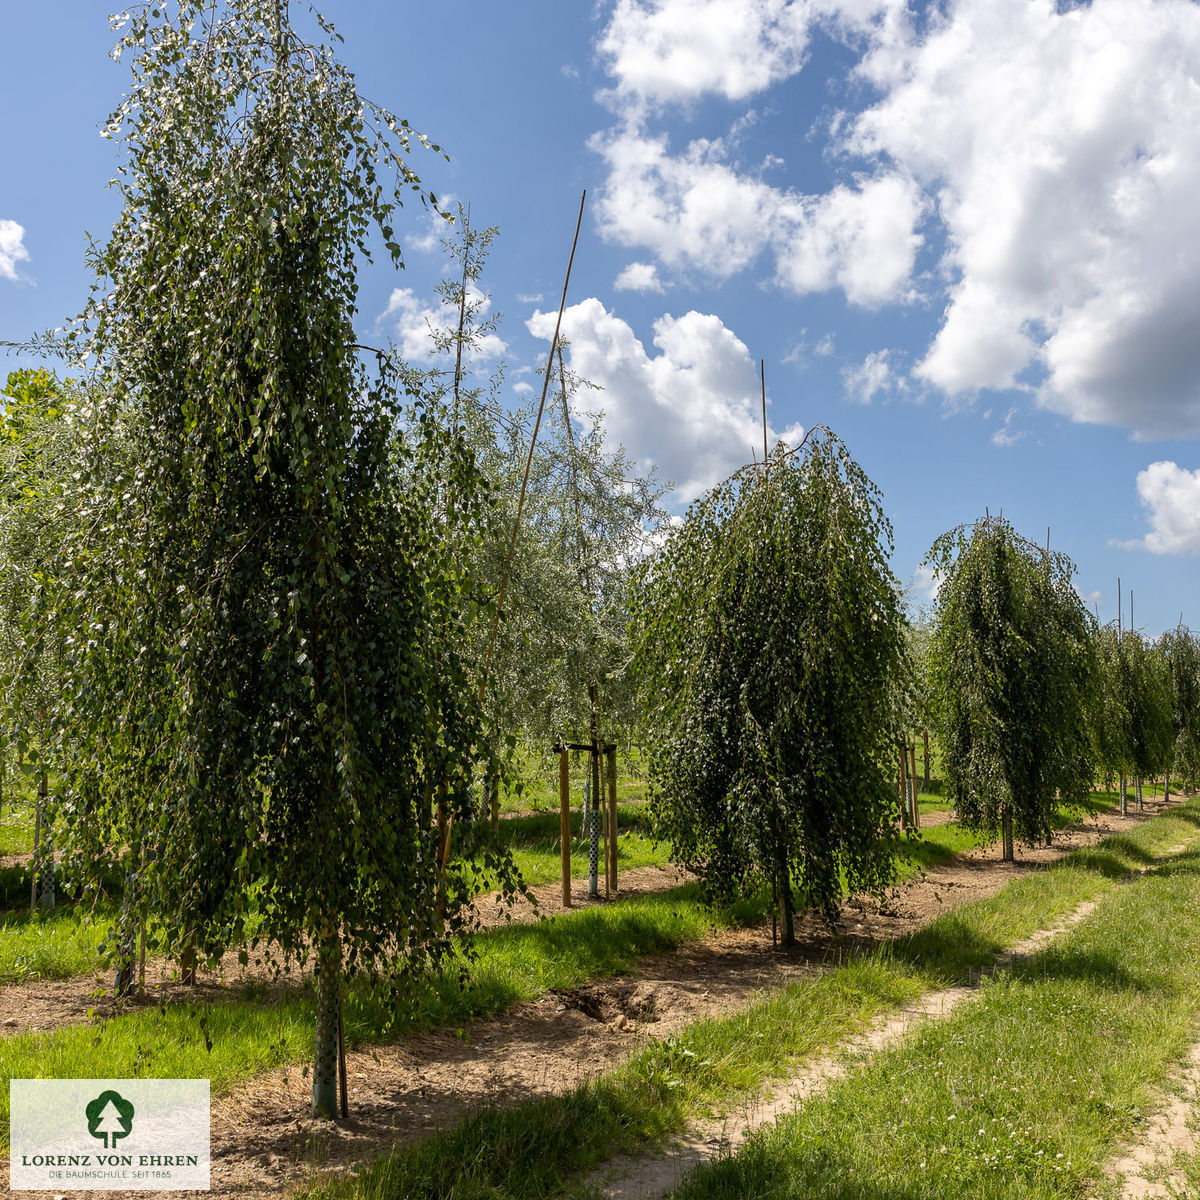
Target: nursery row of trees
780	675
252	570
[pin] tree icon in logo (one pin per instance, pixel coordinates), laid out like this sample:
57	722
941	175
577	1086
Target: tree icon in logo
109	1116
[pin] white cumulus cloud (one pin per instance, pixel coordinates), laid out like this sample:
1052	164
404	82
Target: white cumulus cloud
677	50
1050	146
695	210
638	277
1170	494
12	249
692	408
1059	143
415	325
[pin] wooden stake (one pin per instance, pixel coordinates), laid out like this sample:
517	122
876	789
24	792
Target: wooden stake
33	862
345	1099
912	777
564	822
612	817
595	807
904	785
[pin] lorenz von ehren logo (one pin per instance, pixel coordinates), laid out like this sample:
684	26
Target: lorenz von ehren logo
109	1116
109	1134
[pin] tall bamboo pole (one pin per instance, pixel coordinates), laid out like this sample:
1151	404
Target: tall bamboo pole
512	541
564	822
762	371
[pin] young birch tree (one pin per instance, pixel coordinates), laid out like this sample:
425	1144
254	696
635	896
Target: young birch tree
768	635
268	689
1012	666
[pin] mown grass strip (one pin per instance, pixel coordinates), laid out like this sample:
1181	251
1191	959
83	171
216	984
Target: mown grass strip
1022	1095
233	1040
536	1148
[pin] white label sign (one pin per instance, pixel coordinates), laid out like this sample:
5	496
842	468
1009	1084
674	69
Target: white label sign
108	1134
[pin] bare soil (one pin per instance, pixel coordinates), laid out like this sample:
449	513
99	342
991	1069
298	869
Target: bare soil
50	1003
1146	1169
264	1144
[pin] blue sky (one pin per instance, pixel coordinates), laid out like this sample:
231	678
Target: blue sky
965	236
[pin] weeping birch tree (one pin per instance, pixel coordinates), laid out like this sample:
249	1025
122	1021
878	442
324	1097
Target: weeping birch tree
768	634
1012	668
1181	648
268	685
39	432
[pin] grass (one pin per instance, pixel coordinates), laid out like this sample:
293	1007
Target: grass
233	1040
536	1148
535	842
16	816
58	946
53	945
538	790
1022	1095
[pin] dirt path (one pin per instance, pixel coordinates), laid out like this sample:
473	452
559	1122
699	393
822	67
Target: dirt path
1146	1170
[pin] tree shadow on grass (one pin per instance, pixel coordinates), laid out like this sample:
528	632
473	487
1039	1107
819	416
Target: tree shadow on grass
536	829
1127	847
1096	967
949	948
1101	861
1177	866
1184	814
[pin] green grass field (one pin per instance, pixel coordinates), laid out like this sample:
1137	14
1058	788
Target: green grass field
1024	1094
16	820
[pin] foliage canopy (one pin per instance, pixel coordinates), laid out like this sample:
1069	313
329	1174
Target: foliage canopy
1012	667
267	688
767	631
